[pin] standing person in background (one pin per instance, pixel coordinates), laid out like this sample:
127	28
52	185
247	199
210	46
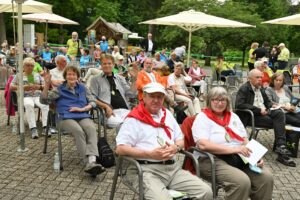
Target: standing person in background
103	44
149	45
251	59
73	46
262	51
274	57
180	52
283	56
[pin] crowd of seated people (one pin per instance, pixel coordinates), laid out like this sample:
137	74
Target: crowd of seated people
118	78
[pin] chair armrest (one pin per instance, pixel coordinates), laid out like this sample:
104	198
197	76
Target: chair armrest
213	167
252	119
194	159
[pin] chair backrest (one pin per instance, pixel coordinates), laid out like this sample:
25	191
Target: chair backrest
233	99
186	128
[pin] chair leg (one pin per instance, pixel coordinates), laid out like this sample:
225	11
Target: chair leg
115	178
60	149
46	136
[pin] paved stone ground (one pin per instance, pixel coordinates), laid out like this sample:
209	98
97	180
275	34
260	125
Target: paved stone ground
30	175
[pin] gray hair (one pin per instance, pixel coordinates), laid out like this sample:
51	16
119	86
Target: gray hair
258	63
218	92
28	60
59	57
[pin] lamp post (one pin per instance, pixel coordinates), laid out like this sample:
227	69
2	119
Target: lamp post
20	71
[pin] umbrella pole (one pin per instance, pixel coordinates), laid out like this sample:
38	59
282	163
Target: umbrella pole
189	48
20	70
14	25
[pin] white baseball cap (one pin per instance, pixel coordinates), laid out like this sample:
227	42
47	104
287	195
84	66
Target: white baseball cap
281	45
154	87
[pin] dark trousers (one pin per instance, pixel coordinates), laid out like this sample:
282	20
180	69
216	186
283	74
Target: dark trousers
250	66
293	119
282	64
275	120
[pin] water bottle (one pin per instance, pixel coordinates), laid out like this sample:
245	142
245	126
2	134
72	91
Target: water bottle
56	164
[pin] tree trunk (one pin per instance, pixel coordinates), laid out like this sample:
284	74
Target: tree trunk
244	55
208	53
2	29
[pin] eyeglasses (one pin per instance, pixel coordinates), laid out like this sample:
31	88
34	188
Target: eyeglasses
29	65
219	100
258	76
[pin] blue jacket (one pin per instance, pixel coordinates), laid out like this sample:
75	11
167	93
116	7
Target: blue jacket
67	99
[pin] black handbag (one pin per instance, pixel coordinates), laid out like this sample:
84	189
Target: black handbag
234	160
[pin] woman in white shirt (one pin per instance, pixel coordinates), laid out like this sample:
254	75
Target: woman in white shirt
219	131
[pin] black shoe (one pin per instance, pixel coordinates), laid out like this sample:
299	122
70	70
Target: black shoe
285	160
282	150
94	169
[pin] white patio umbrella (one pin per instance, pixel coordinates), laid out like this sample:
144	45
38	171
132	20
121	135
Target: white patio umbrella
30	6
289	20
48	18
192	20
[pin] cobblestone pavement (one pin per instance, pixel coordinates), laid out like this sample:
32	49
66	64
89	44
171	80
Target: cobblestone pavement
30	175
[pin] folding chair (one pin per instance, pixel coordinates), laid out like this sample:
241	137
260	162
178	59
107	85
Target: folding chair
120	171
59	134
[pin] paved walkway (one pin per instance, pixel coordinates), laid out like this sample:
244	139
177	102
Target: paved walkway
30	175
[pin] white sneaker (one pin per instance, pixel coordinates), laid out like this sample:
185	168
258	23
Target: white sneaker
44	132
34	133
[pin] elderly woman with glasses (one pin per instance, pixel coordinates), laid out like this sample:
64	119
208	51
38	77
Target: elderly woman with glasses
33	84
73	101
279	94
220	132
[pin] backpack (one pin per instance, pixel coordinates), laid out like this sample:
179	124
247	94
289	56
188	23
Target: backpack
106	155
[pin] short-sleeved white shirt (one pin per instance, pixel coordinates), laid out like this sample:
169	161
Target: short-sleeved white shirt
142	136
205	128
56	74
180	82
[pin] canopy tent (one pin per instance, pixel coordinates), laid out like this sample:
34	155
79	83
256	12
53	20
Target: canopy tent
29	6
48	18
289	20
192	20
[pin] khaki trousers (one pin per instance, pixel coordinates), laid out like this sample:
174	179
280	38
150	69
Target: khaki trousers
159	178
85	135
238	184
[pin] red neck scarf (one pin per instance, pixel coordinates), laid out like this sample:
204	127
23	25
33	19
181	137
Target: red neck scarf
224	122
140	113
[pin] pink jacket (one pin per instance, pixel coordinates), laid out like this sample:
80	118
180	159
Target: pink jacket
196	77
10	112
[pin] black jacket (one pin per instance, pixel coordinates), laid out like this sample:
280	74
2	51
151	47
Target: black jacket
145	44
245	99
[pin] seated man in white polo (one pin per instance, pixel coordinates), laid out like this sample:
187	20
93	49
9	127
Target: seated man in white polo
111	91
177	81
151	135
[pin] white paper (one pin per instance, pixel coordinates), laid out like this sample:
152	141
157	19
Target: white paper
258	151
293	128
